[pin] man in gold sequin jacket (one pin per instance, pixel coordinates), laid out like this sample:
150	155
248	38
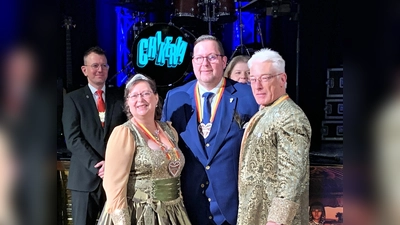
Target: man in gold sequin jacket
274	155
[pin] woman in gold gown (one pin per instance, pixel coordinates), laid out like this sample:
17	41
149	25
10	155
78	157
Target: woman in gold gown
143	164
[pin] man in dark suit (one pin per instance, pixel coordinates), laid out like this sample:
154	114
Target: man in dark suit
86	129
210	139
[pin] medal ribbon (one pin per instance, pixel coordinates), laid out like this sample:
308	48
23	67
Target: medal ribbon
214	106
251	124
101	106
153	138
280	99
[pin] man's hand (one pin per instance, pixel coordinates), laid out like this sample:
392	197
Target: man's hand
101	170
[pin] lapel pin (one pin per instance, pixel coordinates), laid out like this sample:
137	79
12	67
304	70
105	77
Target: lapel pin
231	100
87	96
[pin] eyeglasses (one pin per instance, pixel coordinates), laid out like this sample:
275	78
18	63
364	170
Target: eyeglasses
212	58
145	94
96	66
263	78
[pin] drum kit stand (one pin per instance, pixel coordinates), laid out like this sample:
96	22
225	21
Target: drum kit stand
209	16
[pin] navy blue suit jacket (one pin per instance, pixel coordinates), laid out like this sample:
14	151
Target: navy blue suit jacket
210	167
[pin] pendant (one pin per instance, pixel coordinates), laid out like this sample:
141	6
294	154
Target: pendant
205	129
173	167
102	116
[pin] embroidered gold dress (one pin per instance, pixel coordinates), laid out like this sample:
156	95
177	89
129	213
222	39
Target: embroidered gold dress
274	166
139	184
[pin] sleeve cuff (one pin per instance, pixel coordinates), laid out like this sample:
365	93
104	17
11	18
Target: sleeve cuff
282	211
121	217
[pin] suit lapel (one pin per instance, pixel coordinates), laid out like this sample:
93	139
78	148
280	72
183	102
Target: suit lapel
93	108
222	122
191	135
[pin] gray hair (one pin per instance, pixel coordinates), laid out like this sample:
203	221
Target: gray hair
266	54
134	80
205	37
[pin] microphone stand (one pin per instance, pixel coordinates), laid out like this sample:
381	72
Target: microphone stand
259	31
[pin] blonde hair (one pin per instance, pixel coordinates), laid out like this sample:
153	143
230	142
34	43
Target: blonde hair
233	62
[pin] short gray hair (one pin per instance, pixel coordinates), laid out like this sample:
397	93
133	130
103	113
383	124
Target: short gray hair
266	54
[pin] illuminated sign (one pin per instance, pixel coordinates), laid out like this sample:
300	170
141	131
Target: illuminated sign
172	53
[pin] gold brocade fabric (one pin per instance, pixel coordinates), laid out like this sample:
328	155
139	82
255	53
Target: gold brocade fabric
274	166
148	194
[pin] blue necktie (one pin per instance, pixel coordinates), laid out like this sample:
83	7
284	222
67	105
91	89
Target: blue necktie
207	107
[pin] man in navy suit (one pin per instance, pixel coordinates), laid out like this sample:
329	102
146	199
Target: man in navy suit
86	131
209	114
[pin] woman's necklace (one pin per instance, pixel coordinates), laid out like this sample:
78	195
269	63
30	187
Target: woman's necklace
157	135
174	164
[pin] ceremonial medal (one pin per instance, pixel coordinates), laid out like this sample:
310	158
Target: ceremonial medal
173	167
102	116
175	164
205	129
172	154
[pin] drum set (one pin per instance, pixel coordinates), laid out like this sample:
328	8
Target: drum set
163	50
189	11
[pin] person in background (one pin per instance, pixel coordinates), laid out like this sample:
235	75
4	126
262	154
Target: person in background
20	68
209	114
317	213
384	132
9	174
25	115
274	154
143	164
237	69
89	115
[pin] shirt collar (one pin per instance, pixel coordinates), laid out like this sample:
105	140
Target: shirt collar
203	90
93	89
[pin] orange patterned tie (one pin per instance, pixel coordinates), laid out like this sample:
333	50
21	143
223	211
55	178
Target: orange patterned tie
101	106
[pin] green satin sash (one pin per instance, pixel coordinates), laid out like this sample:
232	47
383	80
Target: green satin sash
166	189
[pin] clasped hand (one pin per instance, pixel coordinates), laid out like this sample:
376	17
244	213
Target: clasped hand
100	165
